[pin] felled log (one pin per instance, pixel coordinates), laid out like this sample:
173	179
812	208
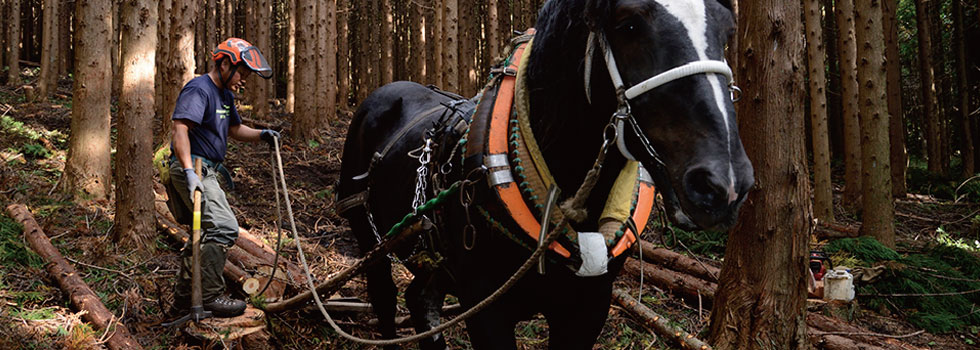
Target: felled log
406	321
236	257
675	261
339	279
837	342
820	323
82	297
683	285
253	245
659	324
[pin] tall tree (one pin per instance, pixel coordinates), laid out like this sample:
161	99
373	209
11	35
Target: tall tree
878	213
844	10
305	115
162	57
450	26
761	295
417	57
943	80
87	170
180	65
65	53
896	120
49	46
439	43
326	77
13	40
930	103
343	53
823	199
291	59
387	43
261	38
834	120
134	220
963	100
466	40
115	42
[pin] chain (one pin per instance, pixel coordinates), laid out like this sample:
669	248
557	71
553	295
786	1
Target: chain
423	172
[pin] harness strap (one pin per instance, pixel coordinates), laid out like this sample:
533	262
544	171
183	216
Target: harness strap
349	202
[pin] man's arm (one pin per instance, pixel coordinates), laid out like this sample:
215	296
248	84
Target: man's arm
182	143
244	133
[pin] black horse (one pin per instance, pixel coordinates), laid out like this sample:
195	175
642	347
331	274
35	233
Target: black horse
683	131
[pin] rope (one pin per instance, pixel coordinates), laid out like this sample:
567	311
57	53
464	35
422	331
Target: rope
428	205
275	261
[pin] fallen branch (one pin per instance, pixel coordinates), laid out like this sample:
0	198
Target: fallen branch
659	324
836	342
683	285
82	297
676	261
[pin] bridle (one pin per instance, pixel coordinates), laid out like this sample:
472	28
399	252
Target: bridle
623	114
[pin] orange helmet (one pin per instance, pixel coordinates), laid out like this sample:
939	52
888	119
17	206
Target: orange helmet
240	51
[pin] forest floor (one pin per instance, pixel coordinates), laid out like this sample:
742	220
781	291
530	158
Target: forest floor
137	285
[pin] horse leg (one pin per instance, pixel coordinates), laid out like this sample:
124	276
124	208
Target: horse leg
577	322
424	298
381	287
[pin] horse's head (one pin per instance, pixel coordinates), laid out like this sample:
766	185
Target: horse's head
683	124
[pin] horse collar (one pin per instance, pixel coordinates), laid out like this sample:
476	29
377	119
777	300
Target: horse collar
520	179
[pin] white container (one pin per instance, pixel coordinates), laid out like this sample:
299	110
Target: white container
839	284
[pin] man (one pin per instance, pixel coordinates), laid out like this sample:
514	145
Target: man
204	118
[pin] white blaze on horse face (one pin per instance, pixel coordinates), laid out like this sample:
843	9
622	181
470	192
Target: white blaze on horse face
691	14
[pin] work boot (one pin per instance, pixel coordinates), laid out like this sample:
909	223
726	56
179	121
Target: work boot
212	282
225	307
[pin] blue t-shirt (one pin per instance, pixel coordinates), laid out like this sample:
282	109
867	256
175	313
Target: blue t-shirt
212	110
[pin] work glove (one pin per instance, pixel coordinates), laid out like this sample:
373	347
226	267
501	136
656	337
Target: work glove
193	181
269	135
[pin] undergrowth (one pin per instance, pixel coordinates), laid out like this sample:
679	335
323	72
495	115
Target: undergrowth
939	287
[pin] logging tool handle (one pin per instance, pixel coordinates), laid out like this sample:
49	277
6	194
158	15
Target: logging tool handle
196	301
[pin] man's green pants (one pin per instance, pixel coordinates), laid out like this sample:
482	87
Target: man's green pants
219	230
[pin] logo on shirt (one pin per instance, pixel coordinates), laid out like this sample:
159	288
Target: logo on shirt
222	112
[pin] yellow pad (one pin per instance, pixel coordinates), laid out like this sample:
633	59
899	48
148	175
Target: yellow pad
621	197
160	159
196	225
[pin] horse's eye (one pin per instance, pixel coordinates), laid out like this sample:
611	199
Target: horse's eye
628	26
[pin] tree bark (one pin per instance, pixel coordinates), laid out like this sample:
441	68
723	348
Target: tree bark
963	100
450	23
291	60
439	43
930	103
823	199
942	81
761	297
49	44
834	117
134	157
87	169
66	55
878	212
896	120
659	324
82	297
327	62
844	10
493	30
115	43
343	53
387	43
160	79
181	61
305	115
259	36
416	55
13	40
466	40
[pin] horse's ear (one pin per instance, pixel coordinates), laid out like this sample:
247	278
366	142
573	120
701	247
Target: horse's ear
597	13
727	4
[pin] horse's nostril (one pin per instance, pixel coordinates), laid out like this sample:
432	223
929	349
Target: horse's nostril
706	190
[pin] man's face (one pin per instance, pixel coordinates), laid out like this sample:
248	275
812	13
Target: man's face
237	80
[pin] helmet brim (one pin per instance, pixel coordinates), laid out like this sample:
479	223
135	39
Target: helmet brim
256	62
